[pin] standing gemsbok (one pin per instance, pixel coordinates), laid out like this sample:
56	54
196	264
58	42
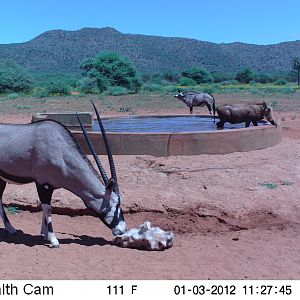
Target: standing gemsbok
192	99
46	153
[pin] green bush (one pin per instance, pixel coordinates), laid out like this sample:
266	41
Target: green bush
14	78
117	91
281	81
208	89
187	81
86	85
40	92
111	69
244	76
221	77
23	107
44	79
229	82
288	90
263	78
152	87
170	76
12	96
58	88
156	78
198	74
253	91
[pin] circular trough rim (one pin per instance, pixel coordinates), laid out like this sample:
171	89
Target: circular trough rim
162	144
171	132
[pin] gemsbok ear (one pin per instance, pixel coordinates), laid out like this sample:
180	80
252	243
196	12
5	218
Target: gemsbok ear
264	104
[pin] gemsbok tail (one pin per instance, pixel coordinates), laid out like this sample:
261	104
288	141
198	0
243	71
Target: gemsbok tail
214	107
214	110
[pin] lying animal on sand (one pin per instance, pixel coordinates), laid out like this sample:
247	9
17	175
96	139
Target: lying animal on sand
145	238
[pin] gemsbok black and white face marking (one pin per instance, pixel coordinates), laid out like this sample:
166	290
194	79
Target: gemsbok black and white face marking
114	218
47	154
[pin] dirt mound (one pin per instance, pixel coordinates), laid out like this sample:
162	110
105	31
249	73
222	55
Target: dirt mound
192	222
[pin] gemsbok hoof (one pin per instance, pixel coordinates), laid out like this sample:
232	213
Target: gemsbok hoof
54	246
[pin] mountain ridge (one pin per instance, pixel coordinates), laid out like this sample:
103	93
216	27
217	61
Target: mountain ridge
63	51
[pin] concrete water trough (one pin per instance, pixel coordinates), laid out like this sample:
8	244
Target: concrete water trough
164	135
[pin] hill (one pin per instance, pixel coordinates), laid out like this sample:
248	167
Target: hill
63	51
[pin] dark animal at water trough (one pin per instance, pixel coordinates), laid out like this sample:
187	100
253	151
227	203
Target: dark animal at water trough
46	153
192	99
239	113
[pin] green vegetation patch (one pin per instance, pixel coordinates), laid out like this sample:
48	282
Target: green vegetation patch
12	210
270	186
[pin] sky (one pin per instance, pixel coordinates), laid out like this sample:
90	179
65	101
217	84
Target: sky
251	21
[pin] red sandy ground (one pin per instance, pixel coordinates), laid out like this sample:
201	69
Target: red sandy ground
227	224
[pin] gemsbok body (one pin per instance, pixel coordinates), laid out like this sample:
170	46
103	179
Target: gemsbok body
47	154
192	99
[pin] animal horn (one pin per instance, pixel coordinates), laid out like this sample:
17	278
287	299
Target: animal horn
89	142
108	150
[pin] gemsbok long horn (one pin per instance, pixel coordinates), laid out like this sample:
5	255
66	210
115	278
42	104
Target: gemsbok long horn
94	153
108	150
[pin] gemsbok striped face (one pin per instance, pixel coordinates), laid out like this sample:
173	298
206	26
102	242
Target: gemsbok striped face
110	212
113	216
181	96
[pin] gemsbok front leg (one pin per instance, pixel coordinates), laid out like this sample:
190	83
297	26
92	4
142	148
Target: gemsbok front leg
45	192
8	227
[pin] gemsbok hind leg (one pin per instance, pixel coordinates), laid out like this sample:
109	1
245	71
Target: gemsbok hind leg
209	108
8	227
45	192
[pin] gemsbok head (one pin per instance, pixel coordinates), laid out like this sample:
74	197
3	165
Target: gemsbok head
46	153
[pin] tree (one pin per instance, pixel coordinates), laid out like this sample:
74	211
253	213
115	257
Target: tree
111	69
244	76
13	78
187	81
58	88
200	75
170	76
296	66
263	78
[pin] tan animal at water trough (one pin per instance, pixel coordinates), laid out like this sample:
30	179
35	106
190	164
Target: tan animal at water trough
239	113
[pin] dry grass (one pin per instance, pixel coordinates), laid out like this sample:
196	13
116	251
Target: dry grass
137	103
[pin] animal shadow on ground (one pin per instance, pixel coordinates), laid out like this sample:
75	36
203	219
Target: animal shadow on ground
21	238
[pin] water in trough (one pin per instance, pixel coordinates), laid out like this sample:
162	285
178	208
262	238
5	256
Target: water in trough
164	124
